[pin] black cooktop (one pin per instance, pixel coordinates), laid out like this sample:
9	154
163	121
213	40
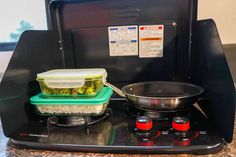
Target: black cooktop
118	134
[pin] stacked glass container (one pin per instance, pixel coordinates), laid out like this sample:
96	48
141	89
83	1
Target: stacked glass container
72	92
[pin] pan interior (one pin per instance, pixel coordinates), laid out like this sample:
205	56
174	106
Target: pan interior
162	89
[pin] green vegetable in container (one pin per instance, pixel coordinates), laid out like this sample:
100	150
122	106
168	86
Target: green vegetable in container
91	87
90	90
68	77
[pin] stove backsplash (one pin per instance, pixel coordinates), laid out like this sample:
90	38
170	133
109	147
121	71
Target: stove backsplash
75	42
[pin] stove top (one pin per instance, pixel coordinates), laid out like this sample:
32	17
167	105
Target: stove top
120	133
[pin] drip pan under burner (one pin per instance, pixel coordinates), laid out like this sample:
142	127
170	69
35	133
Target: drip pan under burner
77	120
69	121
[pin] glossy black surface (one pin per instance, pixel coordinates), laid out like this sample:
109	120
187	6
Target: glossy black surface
211	70
83	27
36	51
119	134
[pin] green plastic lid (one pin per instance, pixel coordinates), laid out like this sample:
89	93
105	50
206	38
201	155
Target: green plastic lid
102	97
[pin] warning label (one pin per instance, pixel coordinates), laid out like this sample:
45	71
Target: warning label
123	40
151	41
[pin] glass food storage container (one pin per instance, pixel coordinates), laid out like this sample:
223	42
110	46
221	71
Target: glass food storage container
72	82
73	106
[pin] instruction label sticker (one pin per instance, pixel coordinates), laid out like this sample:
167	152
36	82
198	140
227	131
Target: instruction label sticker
123	40
151	41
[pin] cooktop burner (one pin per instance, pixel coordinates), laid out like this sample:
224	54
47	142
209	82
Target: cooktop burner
77	120
156	115
127	130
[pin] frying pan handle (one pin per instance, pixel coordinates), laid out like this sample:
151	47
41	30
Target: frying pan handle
115	89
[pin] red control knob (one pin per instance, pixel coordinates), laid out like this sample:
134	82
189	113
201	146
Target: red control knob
144	123
181	124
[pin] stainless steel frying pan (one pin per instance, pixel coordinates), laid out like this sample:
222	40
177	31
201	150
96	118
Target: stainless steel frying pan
160	95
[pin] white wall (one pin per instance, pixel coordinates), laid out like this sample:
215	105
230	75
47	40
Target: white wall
4	59
224	14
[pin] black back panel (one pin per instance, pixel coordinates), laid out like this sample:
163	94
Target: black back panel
88	22
211	71
124	69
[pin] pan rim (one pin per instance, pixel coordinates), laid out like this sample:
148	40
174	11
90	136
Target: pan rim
201	90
